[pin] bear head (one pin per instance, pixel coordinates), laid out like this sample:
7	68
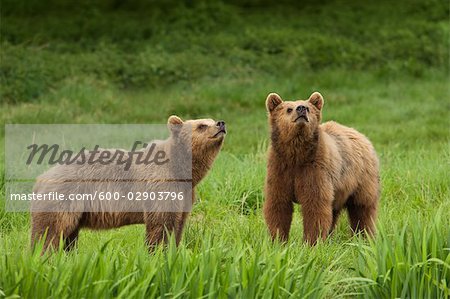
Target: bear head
203	135
294	119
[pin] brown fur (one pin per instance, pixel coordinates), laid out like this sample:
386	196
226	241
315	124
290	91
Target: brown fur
205	147
324	167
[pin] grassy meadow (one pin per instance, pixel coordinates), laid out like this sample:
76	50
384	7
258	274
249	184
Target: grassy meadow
382	68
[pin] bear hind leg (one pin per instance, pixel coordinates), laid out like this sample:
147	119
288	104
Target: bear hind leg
336	213
362	213
47	234
71	241
53	226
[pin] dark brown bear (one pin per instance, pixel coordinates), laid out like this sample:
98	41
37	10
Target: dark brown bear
323	167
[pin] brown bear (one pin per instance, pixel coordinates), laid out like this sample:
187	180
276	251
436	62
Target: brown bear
202	138
323	167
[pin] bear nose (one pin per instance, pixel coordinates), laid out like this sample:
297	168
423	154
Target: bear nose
221	124
301	108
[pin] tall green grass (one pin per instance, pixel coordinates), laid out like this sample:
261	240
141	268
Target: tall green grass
226	251
413	262
205	268
382	68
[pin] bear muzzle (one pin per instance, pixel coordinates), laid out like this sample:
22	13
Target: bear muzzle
302	114
222	130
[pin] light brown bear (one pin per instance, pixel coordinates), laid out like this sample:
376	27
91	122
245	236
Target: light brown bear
323	167
203	136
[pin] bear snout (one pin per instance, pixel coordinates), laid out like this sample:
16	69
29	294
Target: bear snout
302	113
221	125
302	109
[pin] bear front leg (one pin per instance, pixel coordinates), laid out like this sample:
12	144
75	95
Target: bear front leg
315	193
317	222
159	226
183	215
278	209
278	216
180	226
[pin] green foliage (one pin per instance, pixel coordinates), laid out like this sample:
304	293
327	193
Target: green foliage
203	270
157	44
381	68
413	263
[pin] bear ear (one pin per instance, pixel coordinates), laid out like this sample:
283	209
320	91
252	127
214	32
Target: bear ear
316	99
272	101
174	123
174	120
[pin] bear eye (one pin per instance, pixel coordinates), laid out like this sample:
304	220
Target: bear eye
289	110
307	109
201	127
